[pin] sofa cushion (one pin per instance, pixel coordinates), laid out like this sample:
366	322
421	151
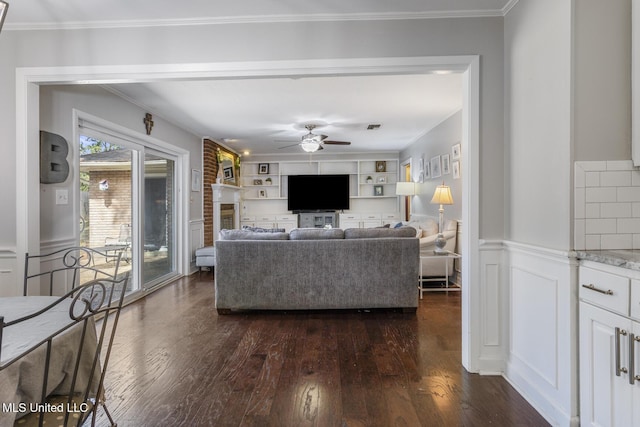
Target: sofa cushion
264	230
252	235
370	233
316	233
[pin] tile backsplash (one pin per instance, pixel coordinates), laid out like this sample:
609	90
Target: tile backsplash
606	205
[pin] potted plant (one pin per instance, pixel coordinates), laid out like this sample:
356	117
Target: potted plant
369	180
268	181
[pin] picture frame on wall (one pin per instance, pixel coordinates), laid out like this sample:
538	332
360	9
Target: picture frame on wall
456	169
378	190
263	168
381	166
436	167
195	180
455	152
420	174
228	172
446	164
427	170
262	194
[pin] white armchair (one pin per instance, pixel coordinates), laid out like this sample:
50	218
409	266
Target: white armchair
429	231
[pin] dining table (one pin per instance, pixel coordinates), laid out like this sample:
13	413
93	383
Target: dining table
23	353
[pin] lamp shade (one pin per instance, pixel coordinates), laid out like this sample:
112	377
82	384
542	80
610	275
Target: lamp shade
442	195
405	189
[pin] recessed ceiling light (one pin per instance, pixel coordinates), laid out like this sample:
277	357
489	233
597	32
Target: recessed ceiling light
246	152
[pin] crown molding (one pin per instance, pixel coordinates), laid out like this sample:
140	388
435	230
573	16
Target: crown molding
258	19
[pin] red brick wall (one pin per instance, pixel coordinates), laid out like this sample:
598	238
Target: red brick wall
111	208
210	170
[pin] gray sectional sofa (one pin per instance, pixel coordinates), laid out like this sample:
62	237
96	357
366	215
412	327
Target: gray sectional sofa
317	269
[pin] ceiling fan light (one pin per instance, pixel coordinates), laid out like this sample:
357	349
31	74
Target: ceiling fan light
310	146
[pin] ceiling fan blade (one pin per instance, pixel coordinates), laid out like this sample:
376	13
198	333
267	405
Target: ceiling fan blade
322	137
288	146
337	142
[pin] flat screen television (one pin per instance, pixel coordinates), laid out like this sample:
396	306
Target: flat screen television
315	193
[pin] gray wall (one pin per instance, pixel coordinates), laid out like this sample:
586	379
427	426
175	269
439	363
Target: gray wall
435	143
257	42
602	80
538	134
56	105
567	67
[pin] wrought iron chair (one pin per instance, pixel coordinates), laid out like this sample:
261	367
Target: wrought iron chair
73	358
58	272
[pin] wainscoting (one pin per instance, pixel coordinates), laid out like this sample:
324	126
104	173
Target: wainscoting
8	279
196	239
541	359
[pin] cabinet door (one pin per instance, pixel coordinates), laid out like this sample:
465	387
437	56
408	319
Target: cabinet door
605	398
635	403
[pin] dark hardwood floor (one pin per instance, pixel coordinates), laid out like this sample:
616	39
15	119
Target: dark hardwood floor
175	362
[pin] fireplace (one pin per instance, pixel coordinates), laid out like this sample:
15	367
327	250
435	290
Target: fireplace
226	207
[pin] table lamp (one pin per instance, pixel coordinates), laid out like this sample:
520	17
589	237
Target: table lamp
408	189
441	196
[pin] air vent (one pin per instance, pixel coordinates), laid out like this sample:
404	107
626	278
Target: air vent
373	127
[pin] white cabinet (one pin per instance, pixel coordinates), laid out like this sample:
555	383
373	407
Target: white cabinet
609	348
367	220
286	221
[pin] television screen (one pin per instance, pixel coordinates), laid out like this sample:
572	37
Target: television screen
318	192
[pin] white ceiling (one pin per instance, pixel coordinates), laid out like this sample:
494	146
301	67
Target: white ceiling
262	115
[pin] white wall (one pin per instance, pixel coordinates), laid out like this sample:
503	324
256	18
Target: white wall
56	106
258	42
538	105
437	142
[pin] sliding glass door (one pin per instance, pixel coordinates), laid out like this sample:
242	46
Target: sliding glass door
127	206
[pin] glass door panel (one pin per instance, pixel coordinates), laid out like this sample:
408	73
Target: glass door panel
106	203
158	218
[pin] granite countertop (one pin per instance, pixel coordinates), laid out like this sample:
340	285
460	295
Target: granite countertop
620	257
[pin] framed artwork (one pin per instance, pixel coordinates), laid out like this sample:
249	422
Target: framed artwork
381	166
228	172
3	12
455	152
427	170
456	169
257	182
382	179
262	194
436	167
263	168
420	174
446	164
378	190
195	180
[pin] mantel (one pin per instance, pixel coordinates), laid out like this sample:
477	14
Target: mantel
224	193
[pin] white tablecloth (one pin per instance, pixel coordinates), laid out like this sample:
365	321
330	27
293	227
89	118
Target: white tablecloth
21	380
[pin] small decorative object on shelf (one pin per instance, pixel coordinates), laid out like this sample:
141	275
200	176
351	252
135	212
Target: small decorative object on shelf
263	168
257	182
268	181
369	180
378	190
381	166
262	194
382	179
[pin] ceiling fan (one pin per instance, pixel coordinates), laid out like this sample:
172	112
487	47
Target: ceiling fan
312	142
